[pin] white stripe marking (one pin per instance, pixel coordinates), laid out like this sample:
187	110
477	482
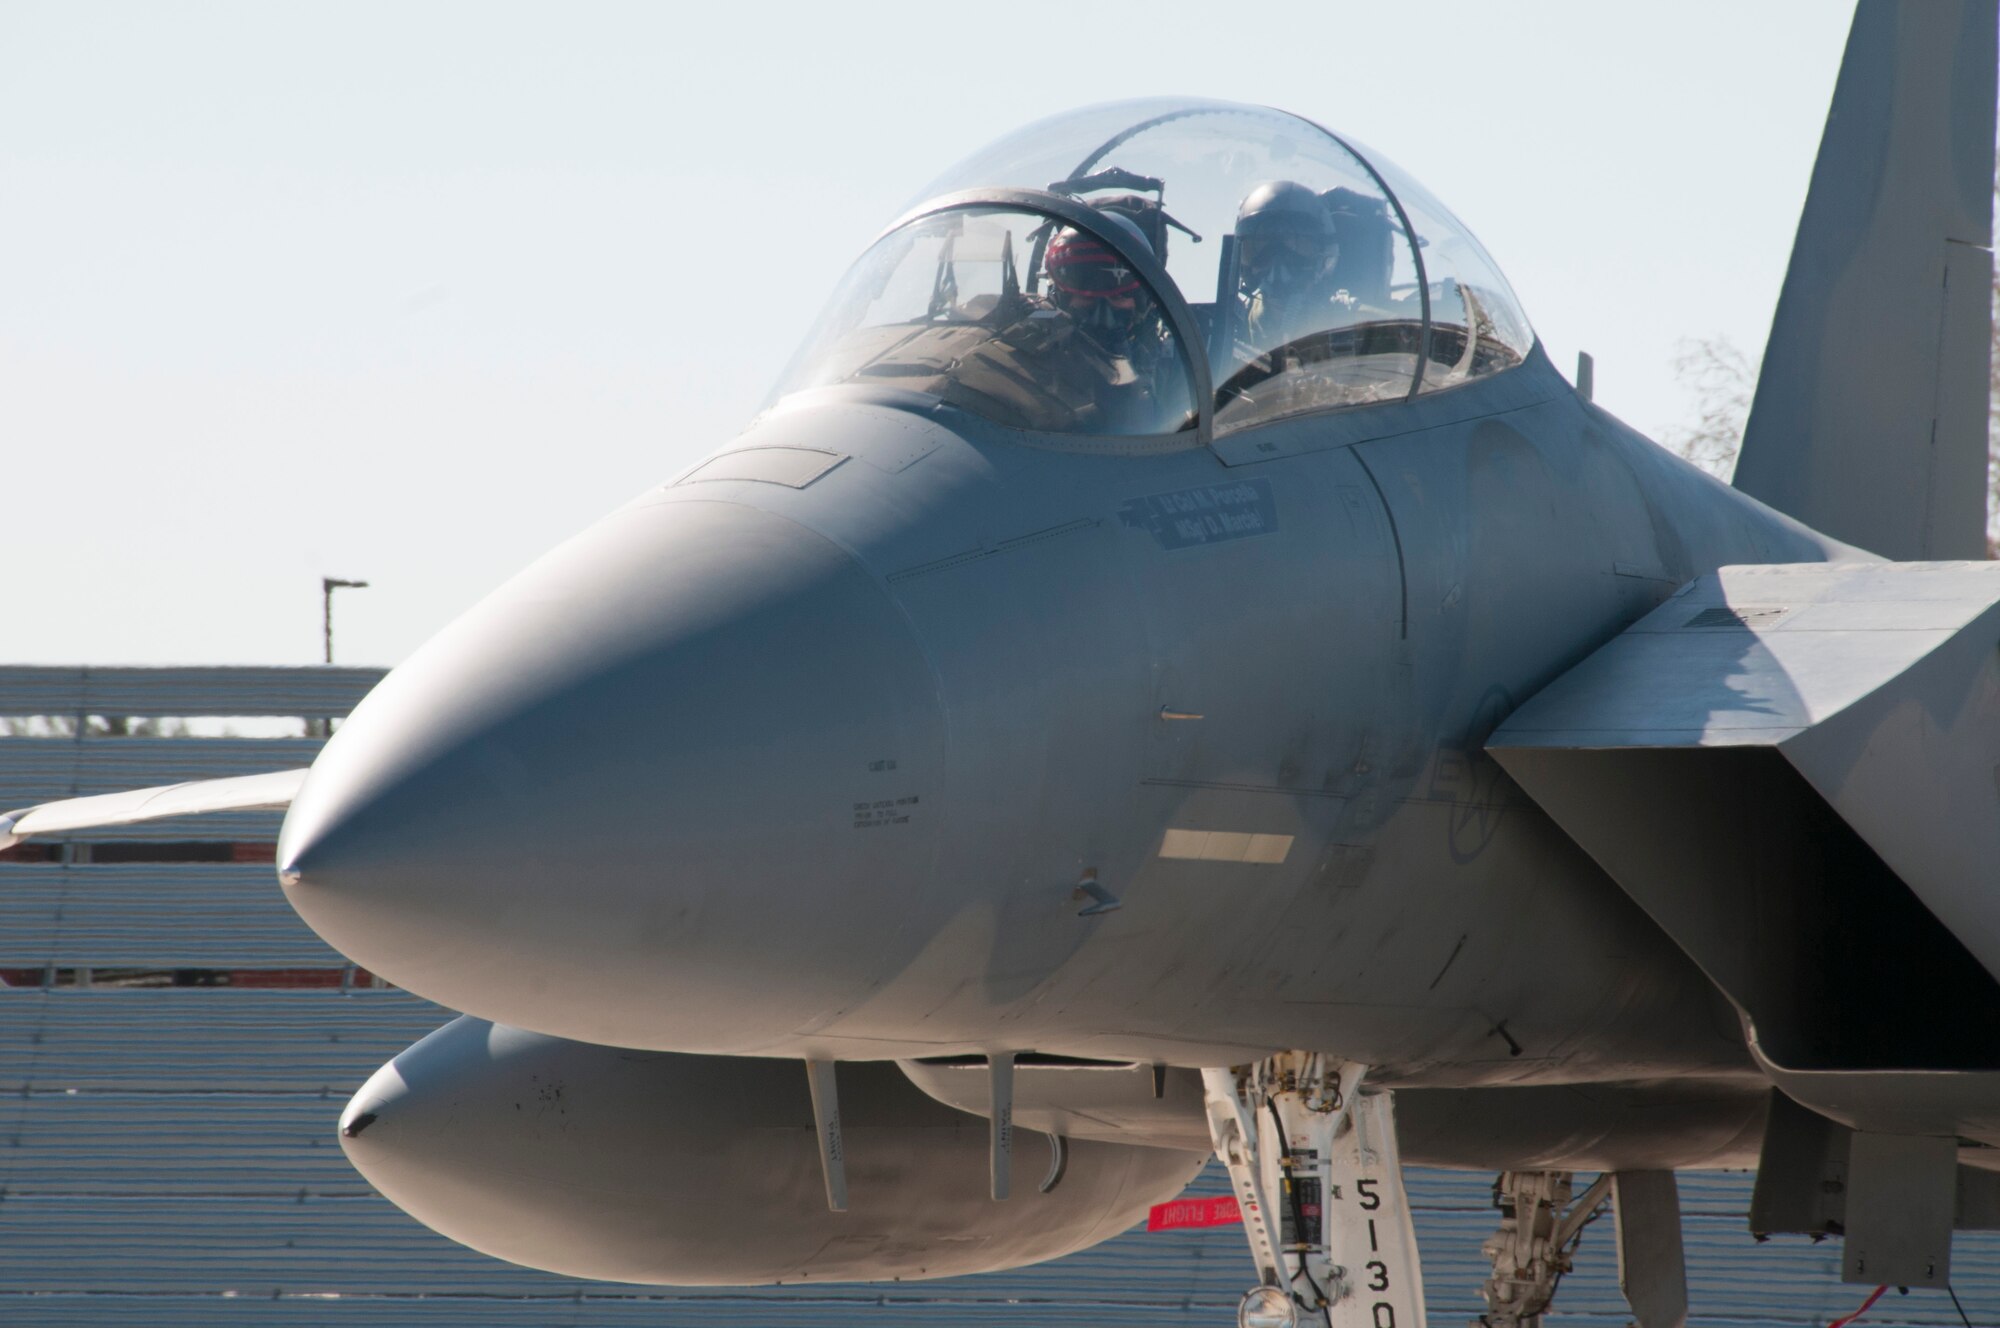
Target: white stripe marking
1226	846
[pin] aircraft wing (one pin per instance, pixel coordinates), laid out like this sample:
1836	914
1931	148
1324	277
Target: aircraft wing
1793	770
236	794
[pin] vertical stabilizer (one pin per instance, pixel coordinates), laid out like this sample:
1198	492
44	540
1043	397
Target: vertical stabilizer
1869	422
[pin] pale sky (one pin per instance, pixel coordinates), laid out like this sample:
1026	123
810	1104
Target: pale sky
410	292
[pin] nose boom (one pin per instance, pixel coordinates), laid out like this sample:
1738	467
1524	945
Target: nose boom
674	786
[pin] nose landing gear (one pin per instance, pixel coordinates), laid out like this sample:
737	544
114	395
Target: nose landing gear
1533	1247
1312	1158
1539	1230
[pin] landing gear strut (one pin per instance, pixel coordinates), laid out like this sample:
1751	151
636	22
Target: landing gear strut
1532	1249
1312	1158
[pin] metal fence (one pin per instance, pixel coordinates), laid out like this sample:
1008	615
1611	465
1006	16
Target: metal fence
167	1152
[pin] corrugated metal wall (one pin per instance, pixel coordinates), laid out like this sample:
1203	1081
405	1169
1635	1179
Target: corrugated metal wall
167	1153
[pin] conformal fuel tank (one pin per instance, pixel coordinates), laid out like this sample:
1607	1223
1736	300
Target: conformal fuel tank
638	1166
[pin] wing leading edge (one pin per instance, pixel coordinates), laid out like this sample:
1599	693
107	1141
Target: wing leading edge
236	794
1792	769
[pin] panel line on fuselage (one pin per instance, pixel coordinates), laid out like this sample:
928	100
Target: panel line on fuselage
1395	538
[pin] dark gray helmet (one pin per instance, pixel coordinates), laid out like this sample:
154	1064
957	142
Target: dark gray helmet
1284	234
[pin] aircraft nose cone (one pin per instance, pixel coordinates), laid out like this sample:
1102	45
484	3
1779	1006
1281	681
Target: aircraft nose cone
672	786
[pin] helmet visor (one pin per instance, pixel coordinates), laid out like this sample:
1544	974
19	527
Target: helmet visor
1283	253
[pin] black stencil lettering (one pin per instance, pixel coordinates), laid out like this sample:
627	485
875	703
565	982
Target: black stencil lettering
1373	1246
1370	1200
1385	1314
1378	1275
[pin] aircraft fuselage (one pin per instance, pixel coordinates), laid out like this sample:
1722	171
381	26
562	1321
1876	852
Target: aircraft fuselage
881	688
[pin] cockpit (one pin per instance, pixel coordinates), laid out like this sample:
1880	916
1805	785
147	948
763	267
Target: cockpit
1151	269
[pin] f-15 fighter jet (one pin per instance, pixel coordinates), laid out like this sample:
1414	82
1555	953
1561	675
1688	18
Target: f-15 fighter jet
1176	671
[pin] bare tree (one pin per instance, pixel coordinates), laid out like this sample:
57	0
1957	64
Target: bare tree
1720	379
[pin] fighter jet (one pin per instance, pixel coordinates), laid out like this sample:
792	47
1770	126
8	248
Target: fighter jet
1176	671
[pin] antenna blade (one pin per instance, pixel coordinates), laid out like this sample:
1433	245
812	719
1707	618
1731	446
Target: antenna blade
826	1125
1001	1066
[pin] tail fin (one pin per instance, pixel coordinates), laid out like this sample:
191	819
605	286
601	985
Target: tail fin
1869	422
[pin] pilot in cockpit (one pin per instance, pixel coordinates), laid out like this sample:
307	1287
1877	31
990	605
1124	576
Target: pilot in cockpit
1314	295
1099	290
1287	250
1075	341
1109	306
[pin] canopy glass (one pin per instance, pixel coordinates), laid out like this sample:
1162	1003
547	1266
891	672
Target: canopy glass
1315	275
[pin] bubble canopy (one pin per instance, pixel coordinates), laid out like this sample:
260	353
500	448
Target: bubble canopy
1129	270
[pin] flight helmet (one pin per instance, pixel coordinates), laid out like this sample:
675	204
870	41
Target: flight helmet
1092	283
1286	242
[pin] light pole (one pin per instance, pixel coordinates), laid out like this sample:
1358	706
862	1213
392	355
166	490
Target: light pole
327	585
